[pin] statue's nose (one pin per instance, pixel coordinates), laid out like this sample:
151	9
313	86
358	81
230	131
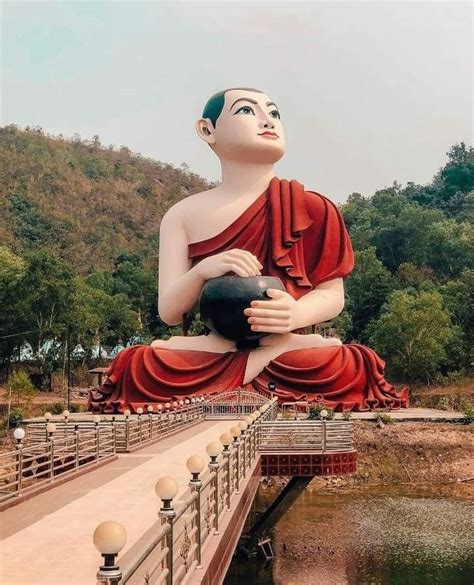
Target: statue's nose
267	124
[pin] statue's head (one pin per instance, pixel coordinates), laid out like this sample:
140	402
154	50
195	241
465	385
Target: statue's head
243	124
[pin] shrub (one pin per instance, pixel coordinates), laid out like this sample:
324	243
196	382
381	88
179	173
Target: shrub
315	412
469	415
16	417
21	387
383	417
56	408
347	415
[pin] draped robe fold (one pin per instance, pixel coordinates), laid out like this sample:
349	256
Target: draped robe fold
300	237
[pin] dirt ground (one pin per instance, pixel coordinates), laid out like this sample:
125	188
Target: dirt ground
415	454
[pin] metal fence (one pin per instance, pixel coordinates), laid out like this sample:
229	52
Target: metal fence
234	404
186	528
29	466
178	545
305	435
77	442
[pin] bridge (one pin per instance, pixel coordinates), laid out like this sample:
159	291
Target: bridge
74	474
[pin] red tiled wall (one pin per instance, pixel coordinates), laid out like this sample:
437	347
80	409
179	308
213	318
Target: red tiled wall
326	464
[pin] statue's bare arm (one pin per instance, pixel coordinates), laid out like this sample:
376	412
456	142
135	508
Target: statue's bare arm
180	285
283	314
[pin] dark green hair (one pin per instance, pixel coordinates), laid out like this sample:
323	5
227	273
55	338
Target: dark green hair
214	105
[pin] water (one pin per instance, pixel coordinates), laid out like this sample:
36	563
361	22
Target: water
395	536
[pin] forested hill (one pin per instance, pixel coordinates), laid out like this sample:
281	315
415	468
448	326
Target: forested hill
79	226
83	201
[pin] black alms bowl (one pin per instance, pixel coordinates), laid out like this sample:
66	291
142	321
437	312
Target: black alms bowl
223	300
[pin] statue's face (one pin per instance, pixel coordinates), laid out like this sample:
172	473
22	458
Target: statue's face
249	129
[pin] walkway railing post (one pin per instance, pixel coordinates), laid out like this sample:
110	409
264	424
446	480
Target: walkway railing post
226	440
229	477
76	445
213	450
166	489
237	467
51	461
195	466
127	429
114	435
140	412
324	437
109	539
150	421
20	466
97	442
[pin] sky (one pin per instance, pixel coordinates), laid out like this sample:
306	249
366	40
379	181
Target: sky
369	92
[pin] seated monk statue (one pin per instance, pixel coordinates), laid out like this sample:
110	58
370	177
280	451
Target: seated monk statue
252	224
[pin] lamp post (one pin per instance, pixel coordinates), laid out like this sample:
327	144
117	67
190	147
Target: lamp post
127	413
109	539
226	440
272	387
236	432
214	450
51	429
19	435
243	427
324	414
47	417
166	489
160	419
139	412
96	419
195	465
149	409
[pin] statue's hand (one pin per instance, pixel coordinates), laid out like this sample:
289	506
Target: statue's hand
277	315
241	262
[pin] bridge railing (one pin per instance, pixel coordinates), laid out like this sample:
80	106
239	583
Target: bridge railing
187	528
129	430
28	467
59	445
305	435
236	403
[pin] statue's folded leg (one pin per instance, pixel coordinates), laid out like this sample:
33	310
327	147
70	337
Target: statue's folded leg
347	377
141	375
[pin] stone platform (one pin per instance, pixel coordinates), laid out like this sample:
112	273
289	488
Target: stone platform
412	415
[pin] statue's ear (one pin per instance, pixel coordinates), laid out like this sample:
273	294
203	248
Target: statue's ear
205	130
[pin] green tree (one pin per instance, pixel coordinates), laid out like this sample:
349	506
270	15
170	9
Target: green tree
368	287
47	287
412	334
12	271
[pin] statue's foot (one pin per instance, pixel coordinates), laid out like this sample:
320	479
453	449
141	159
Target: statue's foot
274	345
212	342
292	341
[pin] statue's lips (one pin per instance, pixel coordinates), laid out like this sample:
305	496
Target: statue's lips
269	135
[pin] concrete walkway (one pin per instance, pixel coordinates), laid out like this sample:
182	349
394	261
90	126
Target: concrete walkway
48	539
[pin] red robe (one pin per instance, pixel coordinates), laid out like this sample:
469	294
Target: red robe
300	237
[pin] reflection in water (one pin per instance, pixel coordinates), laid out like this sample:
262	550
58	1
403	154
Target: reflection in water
361	539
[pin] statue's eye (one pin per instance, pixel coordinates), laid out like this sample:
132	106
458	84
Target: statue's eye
245	110
275	114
